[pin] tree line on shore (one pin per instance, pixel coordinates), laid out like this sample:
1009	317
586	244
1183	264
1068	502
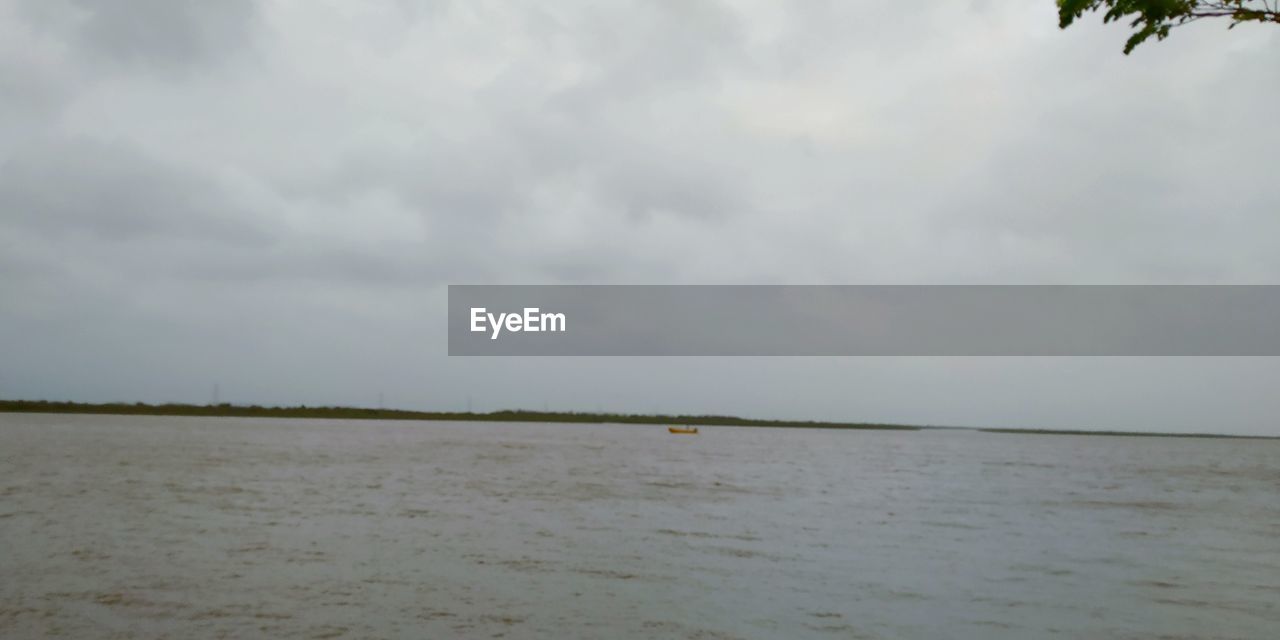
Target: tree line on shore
361	413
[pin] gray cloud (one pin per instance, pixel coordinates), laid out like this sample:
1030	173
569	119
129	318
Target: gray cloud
158	34
114	193
273	195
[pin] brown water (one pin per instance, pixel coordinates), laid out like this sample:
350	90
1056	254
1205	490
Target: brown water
206	528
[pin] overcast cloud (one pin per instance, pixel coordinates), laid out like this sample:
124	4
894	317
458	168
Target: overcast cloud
273	195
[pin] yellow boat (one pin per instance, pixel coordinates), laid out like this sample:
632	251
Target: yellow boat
686	430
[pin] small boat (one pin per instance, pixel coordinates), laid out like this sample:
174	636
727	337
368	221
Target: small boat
685	430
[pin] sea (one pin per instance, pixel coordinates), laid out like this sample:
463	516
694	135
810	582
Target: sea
175	527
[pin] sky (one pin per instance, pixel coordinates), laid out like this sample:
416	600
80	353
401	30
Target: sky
272	196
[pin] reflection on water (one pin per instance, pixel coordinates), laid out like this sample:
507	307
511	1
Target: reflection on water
201	528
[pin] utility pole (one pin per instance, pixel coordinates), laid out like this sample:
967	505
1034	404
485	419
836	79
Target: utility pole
215	394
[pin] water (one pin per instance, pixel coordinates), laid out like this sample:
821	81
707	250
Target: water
202	528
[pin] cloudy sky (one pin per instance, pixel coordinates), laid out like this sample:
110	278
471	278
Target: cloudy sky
272	196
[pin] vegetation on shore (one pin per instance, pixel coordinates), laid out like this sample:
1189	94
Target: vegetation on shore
356	413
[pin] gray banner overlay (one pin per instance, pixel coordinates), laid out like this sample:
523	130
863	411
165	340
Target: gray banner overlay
608	320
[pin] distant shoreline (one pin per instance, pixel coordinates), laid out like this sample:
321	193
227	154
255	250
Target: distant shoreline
357	413
227	410
1124	434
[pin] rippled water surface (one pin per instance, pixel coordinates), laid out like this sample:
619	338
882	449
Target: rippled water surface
203	528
